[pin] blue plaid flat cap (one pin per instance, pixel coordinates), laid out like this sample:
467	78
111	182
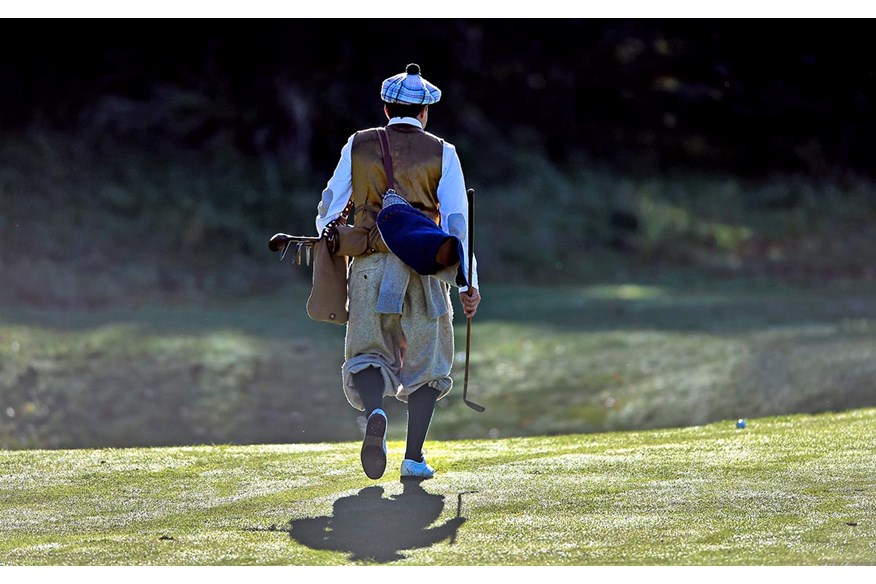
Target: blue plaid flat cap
409	88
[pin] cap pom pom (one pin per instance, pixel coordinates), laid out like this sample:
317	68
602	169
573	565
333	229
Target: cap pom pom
413	69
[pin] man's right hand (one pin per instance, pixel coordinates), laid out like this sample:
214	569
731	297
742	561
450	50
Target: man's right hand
470	300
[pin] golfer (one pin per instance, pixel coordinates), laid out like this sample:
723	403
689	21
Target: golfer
399	336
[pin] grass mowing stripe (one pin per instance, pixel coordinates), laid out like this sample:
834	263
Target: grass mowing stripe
791	490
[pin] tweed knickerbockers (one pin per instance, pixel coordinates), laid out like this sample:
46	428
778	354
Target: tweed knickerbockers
411	349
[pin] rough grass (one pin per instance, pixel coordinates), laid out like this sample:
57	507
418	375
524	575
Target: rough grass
544	361
167	376
140	306
790	490
624	357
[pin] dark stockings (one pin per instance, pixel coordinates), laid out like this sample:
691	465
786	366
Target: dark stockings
421	406
369	384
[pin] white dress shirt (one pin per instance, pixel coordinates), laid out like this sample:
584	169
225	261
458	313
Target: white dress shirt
452	199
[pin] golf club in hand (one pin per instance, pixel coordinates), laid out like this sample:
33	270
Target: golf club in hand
471	404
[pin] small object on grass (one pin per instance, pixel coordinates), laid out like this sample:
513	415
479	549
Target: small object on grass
852	523
740	423
165	538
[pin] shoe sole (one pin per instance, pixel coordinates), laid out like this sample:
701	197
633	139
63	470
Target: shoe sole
373	455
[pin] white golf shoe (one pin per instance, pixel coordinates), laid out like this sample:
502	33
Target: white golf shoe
373	453
411	469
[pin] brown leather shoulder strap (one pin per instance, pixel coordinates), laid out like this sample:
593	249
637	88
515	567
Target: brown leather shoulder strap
349	207
387	158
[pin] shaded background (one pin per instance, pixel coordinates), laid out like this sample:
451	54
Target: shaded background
144	166
747	96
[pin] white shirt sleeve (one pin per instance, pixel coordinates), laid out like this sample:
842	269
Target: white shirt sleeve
337	192
453	203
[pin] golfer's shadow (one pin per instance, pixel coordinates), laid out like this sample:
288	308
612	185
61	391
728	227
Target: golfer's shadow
370	527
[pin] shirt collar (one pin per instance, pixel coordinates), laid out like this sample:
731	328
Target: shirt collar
405	120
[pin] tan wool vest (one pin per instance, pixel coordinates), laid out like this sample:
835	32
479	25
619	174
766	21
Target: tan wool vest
416	165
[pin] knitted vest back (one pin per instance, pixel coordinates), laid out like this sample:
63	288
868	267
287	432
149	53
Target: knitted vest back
416	164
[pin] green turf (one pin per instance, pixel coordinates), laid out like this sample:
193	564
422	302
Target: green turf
545	360
791	490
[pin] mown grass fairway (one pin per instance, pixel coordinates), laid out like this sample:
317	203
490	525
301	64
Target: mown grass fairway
792	490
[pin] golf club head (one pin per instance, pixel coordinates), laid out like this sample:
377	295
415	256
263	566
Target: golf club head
474	406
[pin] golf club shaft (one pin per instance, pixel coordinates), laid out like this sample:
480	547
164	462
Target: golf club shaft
471	209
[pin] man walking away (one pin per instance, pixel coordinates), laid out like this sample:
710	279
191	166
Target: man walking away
399	337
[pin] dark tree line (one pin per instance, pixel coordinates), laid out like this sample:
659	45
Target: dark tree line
739	95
